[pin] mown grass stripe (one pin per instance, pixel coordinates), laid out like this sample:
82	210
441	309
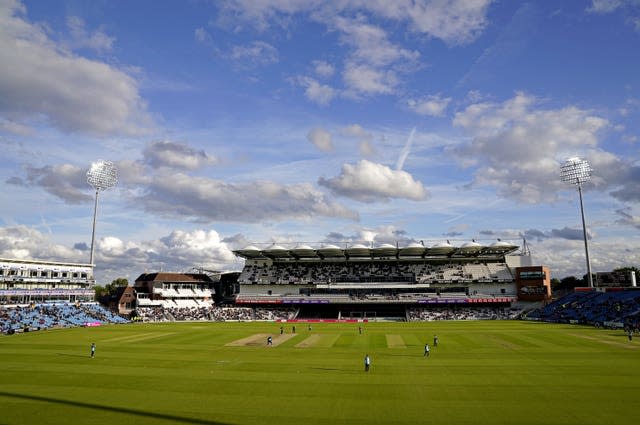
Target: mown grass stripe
395	341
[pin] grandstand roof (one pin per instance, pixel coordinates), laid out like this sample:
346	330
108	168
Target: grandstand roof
441	249
173	277
19	261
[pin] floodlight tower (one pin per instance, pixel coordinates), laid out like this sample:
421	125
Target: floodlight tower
578	171
102	175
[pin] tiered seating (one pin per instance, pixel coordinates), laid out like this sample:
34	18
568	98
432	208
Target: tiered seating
461	313
44	316
593	307
499	271
322	273
186	303
477	271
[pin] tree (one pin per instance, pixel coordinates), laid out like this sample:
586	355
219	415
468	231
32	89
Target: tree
100	291
570	282
105	292
627	270
115	284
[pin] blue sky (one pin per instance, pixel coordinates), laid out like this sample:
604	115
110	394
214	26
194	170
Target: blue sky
241	122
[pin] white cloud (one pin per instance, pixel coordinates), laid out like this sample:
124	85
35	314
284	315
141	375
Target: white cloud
202	36
176	155
67	182
517	146
80	38
453	21
178	251
205	200
378	235
365	139
369	182
434	105
623	174
257	53
261	15
374	64
15	128
631	9
605	6
366	148
321	139
158	185
371	44
356	130
198	244
39	78
627	218
565	257
322	94
28	243
323	69
362	79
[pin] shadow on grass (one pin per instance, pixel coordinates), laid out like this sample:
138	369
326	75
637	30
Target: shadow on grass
123	410
416	354
327	368
349	371
88	356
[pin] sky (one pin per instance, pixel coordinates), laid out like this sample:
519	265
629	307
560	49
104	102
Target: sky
237	122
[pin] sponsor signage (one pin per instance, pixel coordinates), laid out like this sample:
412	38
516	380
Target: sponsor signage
281	301
465	300
258	301
19	292
304	301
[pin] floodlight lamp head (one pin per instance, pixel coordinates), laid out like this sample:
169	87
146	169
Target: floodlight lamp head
575	171
102	175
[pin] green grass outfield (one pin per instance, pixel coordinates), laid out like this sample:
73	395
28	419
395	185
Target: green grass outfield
485	372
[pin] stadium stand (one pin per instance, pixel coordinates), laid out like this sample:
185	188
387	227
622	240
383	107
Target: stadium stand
386	281
28	281
213	313
613	307
463	313
54	315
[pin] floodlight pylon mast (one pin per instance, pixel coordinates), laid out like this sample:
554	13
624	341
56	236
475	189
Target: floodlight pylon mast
102	175
577	171
93	231
586	240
